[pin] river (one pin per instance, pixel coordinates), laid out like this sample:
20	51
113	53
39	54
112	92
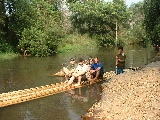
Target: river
29	72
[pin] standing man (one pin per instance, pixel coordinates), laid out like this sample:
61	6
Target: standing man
120	60
97	70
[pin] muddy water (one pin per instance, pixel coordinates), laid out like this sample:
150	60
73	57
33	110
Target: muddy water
28	72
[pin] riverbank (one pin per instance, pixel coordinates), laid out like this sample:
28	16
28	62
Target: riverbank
8	56
131	95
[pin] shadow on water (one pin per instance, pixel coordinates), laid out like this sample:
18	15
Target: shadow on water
23	73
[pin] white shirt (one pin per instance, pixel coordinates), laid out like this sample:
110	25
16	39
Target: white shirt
82	68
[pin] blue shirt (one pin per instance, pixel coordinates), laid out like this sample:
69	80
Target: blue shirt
96	65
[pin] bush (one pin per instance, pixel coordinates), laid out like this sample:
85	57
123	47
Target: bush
133	36
40	43
106	40
76	42
45	32
4	46
10	55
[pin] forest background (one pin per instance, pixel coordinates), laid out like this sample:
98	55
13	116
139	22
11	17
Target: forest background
45	27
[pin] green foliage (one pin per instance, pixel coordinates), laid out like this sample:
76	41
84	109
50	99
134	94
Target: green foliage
152	20
34	25
135	32
136	12
38	26
3	43
106	40
2	16
41	43
120	12
133	36
8	55
19	17
77	42
45	33
98	18
5	47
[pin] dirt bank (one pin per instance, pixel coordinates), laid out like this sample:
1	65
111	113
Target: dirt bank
132	95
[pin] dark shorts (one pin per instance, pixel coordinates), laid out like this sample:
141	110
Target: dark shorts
99	76
119	71
84	78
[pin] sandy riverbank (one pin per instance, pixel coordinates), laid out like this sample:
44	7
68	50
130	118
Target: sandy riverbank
132	95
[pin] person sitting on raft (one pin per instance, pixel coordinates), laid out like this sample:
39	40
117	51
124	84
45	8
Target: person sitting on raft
79	73
90	62
69	69
97	70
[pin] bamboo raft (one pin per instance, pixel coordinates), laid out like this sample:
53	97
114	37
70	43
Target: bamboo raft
20	96
25	95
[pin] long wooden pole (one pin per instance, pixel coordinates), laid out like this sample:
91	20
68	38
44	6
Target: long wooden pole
116	33
116	45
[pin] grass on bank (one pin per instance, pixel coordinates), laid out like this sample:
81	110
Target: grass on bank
71	43
5	56
76	42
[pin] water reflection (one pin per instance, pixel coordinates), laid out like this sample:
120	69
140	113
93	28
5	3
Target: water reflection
83	95
82	98
69	105
32	72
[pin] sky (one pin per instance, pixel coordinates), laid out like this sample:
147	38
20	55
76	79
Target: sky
128	2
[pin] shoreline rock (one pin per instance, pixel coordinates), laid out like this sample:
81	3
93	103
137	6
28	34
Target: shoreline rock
131	95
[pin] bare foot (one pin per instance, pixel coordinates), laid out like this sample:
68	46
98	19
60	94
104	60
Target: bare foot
66	82
77	84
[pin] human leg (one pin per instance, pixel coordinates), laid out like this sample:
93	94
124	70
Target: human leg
71	80
67	76
65	70
79	79
120	71
97	74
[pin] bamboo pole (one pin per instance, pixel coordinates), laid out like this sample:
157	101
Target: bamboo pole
116	34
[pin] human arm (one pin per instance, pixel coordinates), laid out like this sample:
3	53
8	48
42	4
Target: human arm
73	70
92	71
120	59
97	67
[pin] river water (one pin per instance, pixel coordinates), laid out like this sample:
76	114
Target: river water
29	72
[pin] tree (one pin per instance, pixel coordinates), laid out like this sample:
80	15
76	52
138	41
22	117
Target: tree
32	24
4	21
2	24
120	18
44	33
98	18
152	20
2	16
135	32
